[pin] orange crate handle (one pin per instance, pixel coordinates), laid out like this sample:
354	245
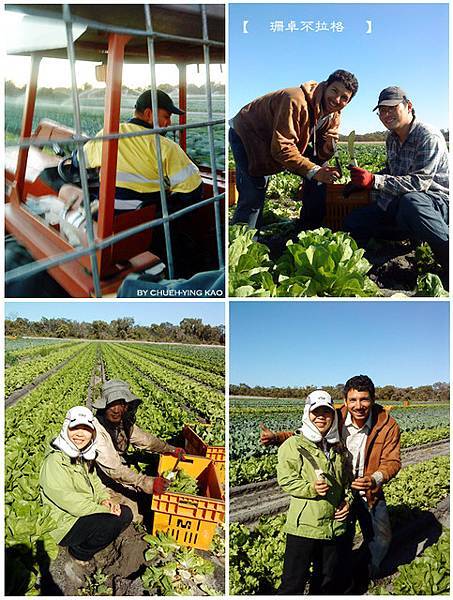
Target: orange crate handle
190	503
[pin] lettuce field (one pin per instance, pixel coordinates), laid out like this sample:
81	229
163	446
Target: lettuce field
251	462
93	120
178	384
257	541
256	555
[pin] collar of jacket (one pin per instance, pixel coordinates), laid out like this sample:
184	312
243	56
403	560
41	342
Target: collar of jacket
136	121
310	445
314	92
379	417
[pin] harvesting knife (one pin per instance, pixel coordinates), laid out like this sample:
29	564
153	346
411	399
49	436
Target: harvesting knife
350	188
351	140
173	472
335	155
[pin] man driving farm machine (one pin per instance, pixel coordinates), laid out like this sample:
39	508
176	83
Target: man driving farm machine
137	229
137	175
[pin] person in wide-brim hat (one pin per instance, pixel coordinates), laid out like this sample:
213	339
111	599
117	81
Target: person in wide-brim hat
117	432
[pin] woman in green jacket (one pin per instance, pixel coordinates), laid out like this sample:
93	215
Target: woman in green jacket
312	468
86	519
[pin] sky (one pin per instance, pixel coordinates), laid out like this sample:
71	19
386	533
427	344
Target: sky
55	72
144	313
407	46
320	343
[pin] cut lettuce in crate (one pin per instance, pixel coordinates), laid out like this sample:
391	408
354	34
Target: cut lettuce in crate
181	483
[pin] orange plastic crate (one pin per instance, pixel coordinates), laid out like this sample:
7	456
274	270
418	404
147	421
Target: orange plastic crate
190	520
338	207
217	455
195	445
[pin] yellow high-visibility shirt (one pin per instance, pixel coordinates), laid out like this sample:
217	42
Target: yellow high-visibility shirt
137	162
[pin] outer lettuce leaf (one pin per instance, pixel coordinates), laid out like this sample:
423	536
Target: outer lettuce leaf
430	285
249	264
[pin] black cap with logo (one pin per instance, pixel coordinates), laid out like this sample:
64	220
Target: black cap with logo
163	101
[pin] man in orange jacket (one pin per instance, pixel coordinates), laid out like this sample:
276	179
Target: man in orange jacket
293	129
372	439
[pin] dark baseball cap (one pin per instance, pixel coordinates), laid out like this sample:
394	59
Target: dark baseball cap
391	96
163	101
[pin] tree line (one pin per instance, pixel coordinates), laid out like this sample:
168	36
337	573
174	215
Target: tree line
380	136
189	331
437	392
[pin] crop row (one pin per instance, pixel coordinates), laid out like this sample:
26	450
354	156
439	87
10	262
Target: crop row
256	556
14	356
209	379
158	412
263	402
251	469
162	411
426	575
208	403
23	343
17	376
244	428
207	359
29	427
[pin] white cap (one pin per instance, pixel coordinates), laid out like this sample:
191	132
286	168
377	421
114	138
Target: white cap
319	398
79	415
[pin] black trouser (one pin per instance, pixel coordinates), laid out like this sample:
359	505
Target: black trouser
300	552
93	533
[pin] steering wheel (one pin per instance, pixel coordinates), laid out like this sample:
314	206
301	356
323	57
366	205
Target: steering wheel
66	170
70	174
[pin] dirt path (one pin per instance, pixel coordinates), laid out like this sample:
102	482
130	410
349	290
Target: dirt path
97	378
18	394
250	502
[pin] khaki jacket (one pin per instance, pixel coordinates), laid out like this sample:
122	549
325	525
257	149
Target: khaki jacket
382	450
110	461
276	129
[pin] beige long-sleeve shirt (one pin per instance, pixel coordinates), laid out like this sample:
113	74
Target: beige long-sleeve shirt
111	463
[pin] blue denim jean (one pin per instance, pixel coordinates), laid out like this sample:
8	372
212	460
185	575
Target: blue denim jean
376	530
251	190
416	215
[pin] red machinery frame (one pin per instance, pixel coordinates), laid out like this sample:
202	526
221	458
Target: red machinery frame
45	242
